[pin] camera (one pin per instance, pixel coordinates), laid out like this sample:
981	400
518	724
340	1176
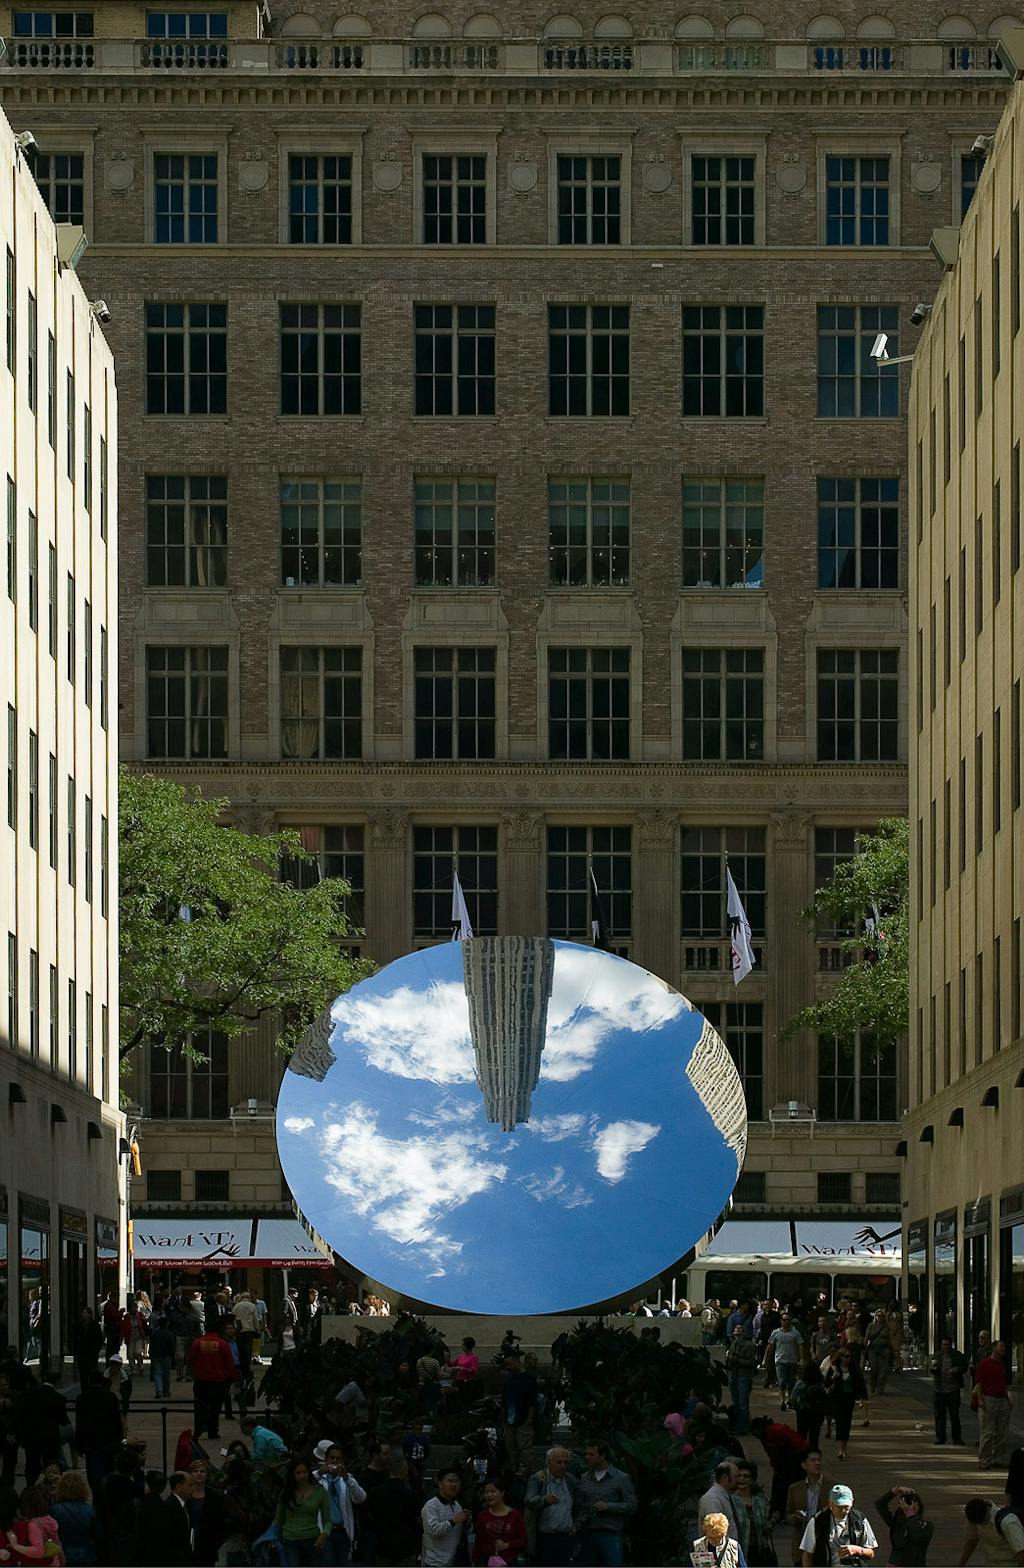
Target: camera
919	313
101	310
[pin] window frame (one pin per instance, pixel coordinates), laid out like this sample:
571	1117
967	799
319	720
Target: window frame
190	1070
478	644
457	548
751	142
212	334
56	139
189	550
470	142
590	646
722	548
322	675
439	890
859	504
861	335
300	584
171	141
591	376
858	1079
346	143
610	504
737	1031
883	644
612	893
859	143
721	335
211	640
600	145
456	333
350	382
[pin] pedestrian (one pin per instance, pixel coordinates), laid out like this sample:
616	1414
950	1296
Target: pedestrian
753	1517
823	1340
786	1451
206	1513
8	1437
467	1370
87	1344
992	1391
152	1521
213	1369
268	1448
290	1331
177	1525
948	1369
443	1520
784	1345
393	1516
499	1531
99	1430
344	1494
716	1546
838	1533
111	1314
1014	1487
604	1502
519	1404
35	1536
806	1498
303	1516
77	1524
161	1357
809	1402
134	1333
741	1365
878	1349
910	1533
718	1499
550	1506
709	1318
40	1416
844	1385
999	1531
246	1329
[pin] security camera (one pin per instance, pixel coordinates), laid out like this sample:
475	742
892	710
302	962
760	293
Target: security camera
101	310
879	348
982	146
26	141
919	313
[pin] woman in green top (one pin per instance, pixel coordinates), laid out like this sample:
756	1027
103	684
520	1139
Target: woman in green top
303	1516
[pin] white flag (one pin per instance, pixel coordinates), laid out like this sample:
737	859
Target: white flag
739	933
462	930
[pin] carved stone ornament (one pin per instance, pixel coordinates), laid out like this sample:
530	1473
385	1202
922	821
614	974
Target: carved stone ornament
120	173
657	830
657	177
522	177
523	828
253	174
925	177
387	176
791	826
791	177
388	828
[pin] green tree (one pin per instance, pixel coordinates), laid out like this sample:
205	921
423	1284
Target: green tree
210	936
873	994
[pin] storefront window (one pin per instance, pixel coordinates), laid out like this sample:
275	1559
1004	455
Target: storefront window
977	1273
74	1277
917	1288
3	1274
873	1290
945	1277
34	1283
728	1284
108	1275
1011	1283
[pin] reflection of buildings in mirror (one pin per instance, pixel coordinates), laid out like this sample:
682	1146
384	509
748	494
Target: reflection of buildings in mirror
508	984
719	1090
313	1057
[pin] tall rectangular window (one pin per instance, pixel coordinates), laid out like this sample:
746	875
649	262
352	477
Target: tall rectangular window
32	354
454	702
1015	271
997	542
190	1088
437	852
723	704
963	603
12	312
997	770
13	1020
54	1011
87	457
962	814
454	533
947	632
857	1080
342	854
997	346
186	358
320	198
979	1008
104	687
321	702
33	1004
723	197
105	1087
833	847
947	830
454	198
12	766
87	849
970	173
979	576
33	790
858	533
53	823
588	533
455	359
12	540
321	359
961	383
72	1030
72	642
70	418
1015	750
589	199
87	652
186	530
706	853
858	705
185	198
979	794
33	571
321	533
61	180
723	533
742	1029
947	437
89	1042
851	385
588	703
856	201
186	702
1015	551
104	867
979	360
571	854
51	390
72	831
723	361
588	349
104	487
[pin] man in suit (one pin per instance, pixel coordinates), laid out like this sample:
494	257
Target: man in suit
806	1497
178	1524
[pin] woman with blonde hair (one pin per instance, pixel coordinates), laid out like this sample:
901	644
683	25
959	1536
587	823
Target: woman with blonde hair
715	1545
76	1518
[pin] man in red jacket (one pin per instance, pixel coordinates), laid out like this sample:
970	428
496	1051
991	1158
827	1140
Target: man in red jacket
992	1386
787	1450
213	1368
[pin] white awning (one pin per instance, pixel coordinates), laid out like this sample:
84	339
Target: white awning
752	1238
862	1241
222	1243
285	1244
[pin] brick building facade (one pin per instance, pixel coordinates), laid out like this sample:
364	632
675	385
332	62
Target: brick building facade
506	374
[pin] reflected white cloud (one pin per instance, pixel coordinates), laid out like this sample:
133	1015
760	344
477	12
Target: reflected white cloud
555	1129
412	1034
591	998
298	1124
555	1186
448	1114
404	1185
616	1143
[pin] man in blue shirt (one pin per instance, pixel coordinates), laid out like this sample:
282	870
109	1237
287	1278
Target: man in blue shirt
267	1447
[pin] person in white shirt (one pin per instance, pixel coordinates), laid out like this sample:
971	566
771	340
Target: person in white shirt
443	1521
718	1498
1002	1539
838	1533
343	1490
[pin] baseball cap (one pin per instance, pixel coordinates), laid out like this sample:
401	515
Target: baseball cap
115	1361
322	1449
841	1495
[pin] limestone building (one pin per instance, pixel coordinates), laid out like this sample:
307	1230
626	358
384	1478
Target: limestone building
965	1131
505	479
62	1213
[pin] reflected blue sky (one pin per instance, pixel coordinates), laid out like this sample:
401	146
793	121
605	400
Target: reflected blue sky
511	1125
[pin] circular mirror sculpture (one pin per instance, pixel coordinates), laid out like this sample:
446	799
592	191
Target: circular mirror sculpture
511	1125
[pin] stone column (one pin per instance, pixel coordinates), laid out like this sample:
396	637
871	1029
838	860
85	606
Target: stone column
791	1065
656	911
388	930
521	903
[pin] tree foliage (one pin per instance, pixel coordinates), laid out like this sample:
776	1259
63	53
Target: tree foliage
872	995
210	936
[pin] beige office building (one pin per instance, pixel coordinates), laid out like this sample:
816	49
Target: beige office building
965	1130
62	1212
505	479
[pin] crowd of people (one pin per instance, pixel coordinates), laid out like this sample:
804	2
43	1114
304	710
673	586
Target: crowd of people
355	1488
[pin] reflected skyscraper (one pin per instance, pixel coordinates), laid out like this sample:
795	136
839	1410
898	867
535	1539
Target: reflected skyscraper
313	1057
508	985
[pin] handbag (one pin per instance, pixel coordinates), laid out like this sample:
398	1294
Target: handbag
975	1400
